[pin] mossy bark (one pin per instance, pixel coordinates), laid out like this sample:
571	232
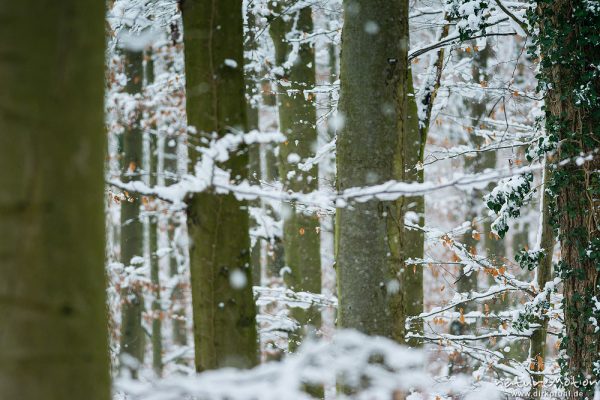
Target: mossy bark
224	316
132	228
53	340
297	121
374	99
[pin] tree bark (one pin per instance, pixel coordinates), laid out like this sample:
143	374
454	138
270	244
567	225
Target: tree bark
53	340
412	275
570	53
224	314
369	236
297	120
132	228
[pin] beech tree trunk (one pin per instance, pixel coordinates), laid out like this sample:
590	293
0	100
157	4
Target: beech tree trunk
53	338
132	228
297	121
369	236
224	314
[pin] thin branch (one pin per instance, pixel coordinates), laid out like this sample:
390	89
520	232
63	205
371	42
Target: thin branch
455	39
512	16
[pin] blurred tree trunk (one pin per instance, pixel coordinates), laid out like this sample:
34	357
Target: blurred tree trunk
476	110
224	313
251	77
297	121
132	228
173	224
178	320
412	275
414	155
274	253
153	214
543	275
53	340
374	106
179	328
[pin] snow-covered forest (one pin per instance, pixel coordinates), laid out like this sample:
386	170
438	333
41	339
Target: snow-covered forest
299	199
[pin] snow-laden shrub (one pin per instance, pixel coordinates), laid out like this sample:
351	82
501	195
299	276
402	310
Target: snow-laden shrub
367	367
506	200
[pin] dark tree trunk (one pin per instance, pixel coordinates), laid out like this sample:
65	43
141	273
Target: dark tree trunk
570	54
224	314
53	338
